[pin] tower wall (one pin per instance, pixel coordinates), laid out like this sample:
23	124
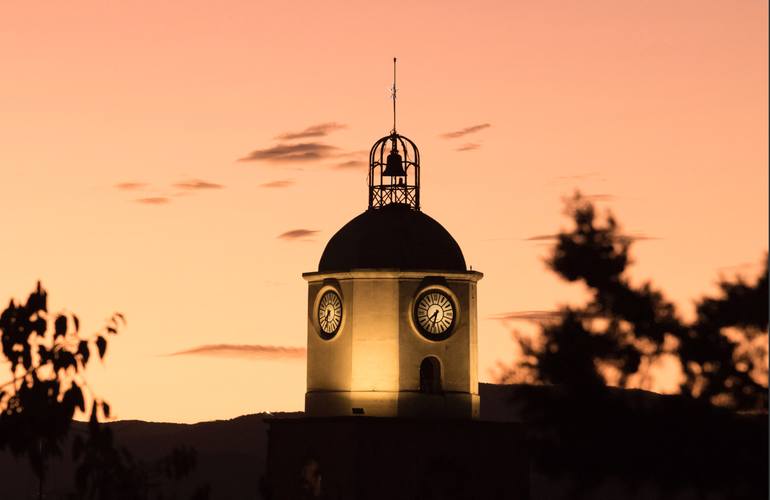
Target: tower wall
372	364
329	362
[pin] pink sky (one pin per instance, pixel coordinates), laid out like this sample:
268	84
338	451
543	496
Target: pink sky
661	107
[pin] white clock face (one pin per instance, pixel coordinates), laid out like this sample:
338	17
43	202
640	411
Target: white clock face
435	314
330	313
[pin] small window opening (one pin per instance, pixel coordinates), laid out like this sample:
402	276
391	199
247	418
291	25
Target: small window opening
430	376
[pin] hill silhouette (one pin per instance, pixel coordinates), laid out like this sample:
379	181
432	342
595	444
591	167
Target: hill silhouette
231	453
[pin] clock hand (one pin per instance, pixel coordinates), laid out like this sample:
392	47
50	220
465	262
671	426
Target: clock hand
434	317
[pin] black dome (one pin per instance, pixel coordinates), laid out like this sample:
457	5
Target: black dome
393	237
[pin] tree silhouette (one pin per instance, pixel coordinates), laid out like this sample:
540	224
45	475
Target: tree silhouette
586	431
724	352
623	329
47	381
47	385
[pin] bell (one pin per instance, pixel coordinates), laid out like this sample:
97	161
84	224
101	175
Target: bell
394	167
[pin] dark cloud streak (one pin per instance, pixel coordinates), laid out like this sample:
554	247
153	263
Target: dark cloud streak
283	153
599	197
555	237
196	184
543	237
130	186
283	183
244	351
531	316
350	164
576	177
465	131
154	200
296	234
643	237
320	130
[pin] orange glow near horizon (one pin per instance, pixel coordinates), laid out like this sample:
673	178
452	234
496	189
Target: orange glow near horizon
121	127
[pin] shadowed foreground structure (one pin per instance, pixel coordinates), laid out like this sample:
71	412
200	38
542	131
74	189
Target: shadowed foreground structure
370	458
662	452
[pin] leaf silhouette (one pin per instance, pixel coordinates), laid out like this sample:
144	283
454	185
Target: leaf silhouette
60	326
101	344
75	395
84	351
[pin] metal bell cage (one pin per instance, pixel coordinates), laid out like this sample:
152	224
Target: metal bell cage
390	177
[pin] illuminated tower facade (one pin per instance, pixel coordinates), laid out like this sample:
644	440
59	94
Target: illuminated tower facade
391	315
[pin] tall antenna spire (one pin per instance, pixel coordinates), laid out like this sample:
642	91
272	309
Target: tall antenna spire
393	95
394	176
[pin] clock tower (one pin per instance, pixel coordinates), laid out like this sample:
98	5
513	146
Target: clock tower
392	381
391	317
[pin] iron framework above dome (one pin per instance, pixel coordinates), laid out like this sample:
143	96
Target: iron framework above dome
394	178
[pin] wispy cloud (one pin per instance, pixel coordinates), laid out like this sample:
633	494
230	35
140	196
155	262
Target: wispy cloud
576	177
530	316
284	183
197	184
244	351
297	234
351	164
357	154
130	186
599	197
554	237
154	200
465	131
743	267
284	153
469	146
164	198
320	130
543	237
643	237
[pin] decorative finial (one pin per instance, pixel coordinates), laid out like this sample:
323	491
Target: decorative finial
394	177
393	96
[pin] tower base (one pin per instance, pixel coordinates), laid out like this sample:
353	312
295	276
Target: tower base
367	458
392	404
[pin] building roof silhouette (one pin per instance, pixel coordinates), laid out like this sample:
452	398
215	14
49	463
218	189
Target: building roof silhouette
392	237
